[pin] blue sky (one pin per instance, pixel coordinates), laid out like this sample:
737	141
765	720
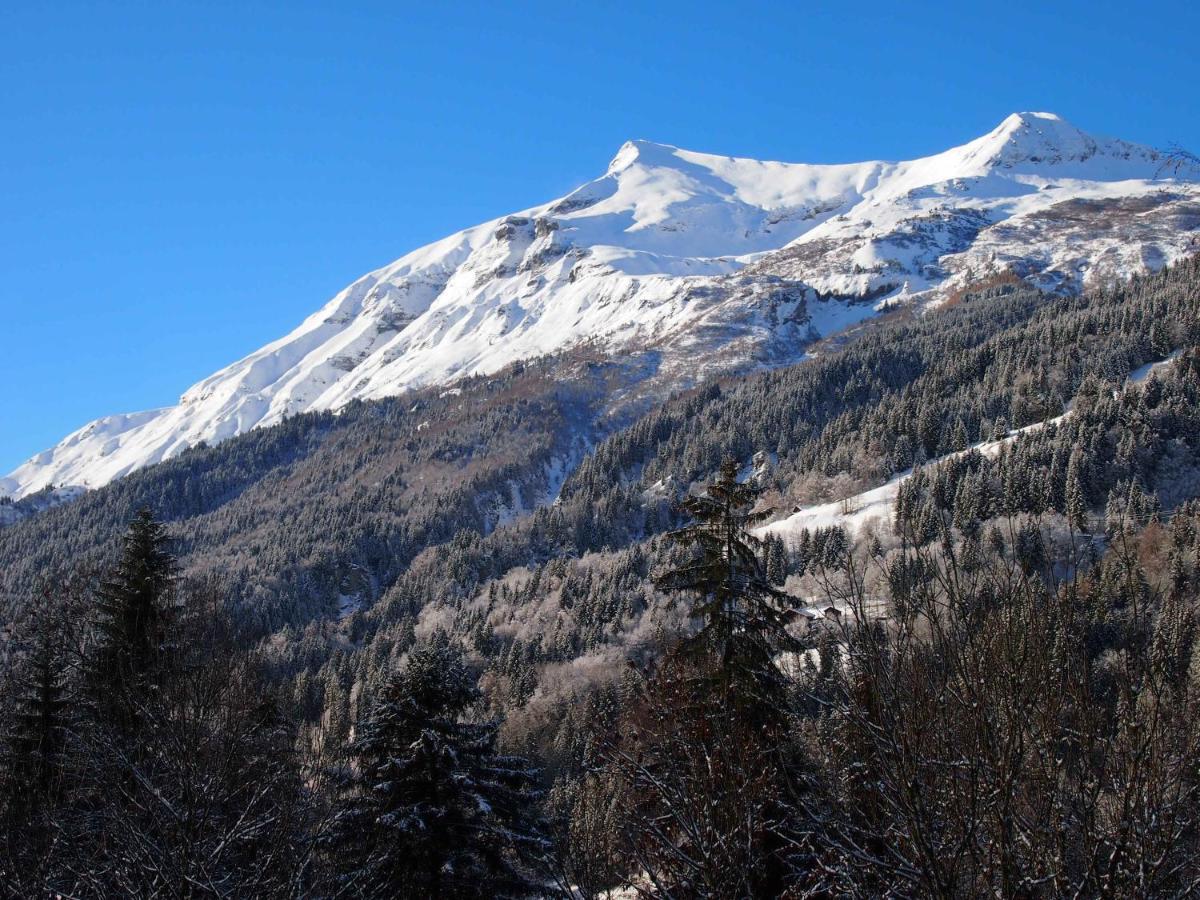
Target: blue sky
181	183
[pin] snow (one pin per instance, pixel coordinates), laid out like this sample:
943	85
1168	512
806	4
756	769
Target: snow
1142	373
874	508
348	604
679	252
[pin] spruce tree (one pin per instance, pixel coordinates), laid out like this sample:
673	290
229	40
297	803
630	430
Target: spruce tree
776	560
701	756
36	730
742	616
1076	499
431	809
133	607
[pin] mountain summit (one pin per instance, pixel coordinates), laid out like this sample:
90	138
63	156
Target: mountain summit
1038	139
706	262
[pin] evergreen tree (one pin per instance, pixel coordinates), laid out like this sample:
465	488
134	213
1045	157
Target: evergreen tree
432	810
707	782
1076	500
133	607
743	617
959	439
190	778
35	742
38	729
777	560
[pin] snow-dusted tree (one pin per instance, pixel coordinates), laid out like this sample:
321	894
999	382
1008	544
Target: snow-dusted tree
742	617
776	560
431	809
1076	499
1035	736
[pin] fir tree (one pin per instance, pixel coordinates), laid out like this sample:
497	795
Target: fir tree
36	734
133	607
777	560
432	810
743	617
1076	500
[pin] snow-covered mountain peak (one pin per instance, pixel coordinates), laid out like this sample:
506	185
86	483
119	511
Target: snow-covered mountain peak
709	262
1046	143
647	153
1029	117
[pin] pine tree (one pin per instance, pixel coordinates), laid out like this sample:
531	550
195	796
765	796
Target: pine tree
133	607
432	810
777	560
743	617
1076	500
36	732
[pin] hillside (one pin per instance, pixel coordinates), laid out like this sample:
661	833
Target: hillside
323	507
508	536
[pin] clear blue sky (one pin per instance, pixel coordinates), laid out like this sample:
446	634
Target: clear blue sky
181	183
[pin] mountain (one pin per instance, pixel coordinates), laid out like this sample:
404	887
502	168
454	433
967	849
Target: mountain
694	263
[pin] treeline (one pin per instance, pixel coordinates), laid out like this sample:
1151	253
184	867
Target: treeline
969	721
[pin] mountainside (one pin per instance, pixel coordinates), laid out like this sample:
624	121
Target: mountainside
700	263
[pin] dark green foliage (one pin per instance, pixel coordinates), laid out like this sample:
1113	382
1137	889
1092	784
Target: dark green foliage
333	505
742	617
432	810
133	609
902	394
37	736
1075	500
38	714
1112	445
699	760
180	754
777	563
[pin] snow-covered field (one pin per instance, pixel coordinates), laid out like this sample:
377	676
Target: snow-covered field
707	260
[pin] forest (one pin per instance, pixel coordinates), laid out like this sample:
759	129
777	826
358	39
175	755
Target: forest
509	641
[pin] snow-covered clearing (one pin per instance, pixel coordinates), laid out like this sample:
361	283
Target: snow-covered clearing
875	507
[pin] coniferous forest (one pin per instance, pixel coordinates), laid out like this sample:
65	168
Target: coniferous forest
515	640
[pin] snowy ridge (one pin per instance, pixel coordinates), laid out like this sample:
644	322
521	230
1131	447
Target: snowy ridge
711	262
